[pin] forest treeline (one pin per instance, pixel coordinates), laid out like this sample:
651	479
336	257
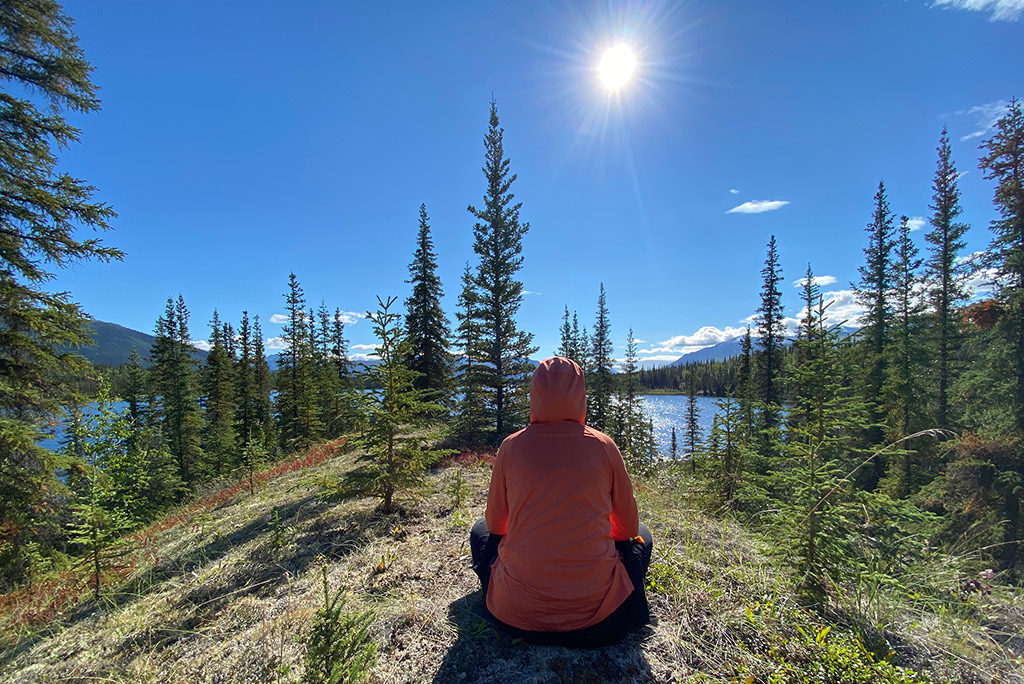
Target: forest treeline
870	452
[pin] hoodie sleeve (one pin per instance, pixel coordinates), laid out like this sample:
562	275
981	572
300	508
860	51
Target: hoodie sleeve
624	518
497	497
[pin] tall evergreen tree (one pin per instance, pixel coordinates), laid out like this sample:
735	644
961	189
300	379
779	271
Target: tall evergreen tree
874	294
347	407
903	392
470	424
692	436
1004	163
43	74
746	394
945	274
501	350
771	332
219	402
134	396
297	408
599	382
245	385
426	325
174	385
328	382
264	416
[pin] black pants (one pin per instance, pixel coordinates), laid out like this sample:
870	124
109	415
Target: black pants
632	614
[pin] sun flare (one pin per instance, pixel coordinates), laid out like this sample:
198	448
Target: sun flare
617	67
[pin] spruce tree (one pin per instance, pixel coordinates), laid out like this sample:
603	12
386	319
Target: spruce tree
469	426
812	490
263	415
297	408
328	383
599	382
43	75
396	454
175	400
746	393
426	325
692	435
348	400
1004	163
499	350
771	333
874	294
945	274
903	391
219	403
245	384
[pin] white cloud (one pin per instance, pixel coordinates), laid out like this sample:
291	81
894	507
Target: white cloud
351	317
916	223
347	317
733	191
275	343
531	292
363	347
818	280
757	206
674	347
982	280
984	116
1002	10
844	308
202	344
362	357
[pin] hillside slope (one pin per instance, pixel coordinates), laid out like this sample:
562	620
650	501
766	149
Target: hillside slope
225	590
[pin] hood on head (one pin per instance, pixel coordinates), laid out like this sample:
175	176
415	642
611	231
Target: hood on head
557	392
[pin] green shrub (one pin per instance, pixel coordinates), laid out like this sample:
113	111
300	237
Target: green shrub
338	647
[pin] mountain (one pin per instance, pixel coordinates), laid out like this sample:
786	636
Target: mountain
734	347
114	344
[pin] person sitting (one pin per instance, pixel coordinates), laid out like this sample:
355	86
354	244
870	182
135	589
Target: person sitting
561	554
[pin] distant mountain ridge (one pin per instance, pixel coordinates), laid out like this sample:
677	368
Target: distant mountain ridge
114	344
734	347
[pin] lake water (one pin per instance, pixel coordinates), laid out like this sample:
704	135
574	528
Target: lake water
669	411
666	410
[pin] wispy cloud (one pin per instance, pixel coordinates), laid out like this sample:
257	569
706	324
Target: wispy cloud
1002	10
278	319
733	191
531	292
202	344
916	223
818	280
757	207
276	343
984	117
363	347
362	357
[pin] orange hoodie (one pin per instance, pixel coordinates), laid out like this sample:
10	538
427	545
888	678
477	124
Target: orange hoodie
561	496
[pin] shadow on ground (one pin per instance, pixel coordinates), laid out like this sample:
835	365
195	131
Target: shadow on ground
484	654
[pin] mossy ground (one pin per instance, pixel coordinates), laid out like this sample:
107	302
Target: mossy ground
227	593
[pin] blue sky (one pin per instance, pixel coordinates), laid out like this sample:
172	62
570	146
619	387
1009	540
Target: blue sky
241	141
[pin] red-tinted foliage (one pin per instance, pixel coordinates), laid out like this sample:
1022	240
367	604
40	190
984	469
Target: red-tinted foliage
43	601
470	458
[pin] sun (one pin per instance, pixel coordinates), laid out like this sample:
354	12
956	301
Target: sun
617	67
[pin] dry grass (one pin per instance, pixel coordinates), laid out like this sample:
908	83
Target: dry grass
236	585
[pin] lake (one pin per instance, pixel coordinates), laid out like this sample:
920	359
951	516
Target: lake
666	410
669	411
